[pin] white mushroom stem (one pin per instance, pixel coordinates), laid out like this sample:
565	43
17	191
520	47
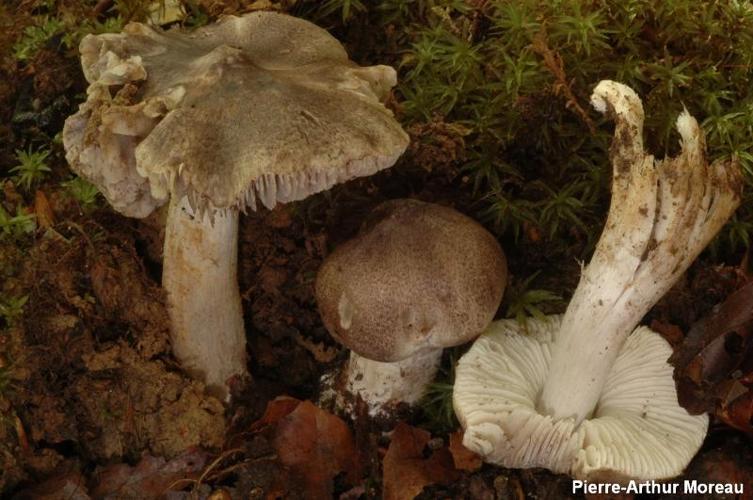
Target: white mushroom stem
638	430
380	384
663	213
199	276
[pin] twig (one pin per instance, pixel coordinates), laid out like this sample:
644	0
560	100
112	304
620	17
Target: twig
102	7
207	473
554	64
214	464
216	475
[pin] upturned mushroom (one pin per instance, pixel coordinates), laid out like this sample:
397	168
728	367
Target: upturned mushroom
264	107
581	393
418	278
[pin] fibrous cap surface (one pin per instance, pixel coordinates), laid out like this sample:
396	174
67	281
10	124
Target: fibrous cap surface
264	106
418	277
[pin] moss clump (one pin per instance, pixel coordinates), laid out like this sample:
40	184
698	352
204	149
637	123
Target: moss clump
517	75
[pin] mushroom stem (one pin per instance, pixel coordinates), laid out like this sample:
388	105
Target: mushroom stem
199	276
662	215
379	383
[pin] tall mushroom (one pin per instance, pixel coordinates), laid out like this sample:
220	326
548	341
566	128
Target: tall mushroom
418	278
262	107
581	393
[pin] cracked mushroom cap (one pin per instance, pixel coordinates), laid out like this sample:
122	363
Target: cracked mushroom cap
638	430
264	106
417	277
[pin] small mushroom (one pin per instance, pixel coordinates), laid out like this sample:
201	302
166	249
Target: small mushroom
589	393
418	278
264	107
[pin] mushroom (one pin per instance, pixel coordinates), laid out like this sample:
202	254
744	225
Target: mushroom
580	393
418	278
262	107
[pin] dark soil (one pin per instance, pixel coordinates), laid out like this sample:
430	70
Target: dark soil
93	380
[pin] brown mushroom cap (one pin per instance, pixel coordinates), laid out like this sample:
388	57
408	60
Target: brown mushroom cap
262	106
417	277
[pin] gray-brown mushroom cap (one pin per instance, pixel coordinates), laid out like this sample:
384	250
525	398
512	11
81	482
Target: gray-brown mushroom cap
418	277
263	106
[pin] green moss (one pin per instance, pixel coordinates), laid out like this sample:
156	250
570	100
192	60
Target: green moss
82	191
516	78
12	308
36	36
436	410
522	301
77	30
13	227
518	75
31	168
346	8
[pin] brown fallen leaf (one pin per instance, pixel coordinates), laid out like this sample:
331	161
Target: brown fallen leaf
43	211
276	409
737	412
316	446
406	471
150	478
462	457
714	364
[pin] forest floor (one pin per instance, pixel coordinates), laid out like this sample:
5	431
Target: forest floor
94	405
